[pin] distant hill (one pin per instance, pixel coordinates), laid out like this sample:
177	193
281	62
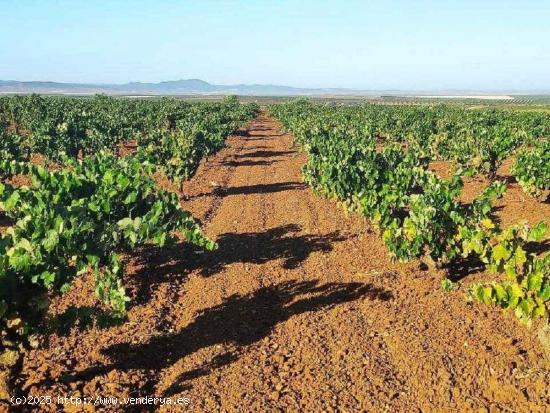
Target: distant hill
174	87
200	87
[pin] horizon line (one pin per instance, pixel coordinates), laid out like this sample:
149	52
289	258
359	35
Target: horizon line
318	88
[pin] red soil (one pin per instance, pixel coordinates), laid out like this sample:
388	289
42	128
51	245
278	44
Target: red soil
300	309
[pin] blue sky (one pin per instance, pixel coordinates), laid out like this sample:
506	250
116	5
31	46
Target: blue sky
421	44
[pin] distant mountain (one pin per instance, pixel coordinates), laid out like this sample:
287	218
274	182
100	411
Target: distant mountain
200	87
173	87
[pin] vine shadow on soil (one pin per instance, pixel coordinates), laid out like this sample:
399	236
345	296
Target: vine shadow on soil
236	164
239	321
252	189
162	265
281	242
260	188
5	221
83	318
241	132
251	134
265	154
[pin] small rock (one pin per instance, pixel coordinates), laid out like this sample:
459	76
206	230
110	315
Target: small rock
278	358
9	358
34	342
4	387
7	343
14	322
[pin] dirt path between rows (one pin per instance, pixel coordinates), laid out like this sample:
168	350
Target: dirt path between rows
300	309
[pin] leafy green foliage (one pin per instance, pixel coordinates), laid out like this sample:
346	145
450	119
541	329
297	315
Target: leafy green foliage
81	218
61	127
12	146
90	210
447	285
477	140
532	169
417	212
526	288
197	133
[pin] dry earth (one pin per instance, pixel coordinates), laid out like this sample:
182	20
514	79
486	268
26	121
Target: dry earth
300	309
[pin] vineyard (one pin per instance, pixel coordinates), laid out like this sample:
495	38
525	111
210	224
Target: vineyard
84	205
376	161
303	256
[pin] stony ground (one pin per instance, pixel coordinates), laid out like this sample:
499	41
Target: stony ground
300	309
